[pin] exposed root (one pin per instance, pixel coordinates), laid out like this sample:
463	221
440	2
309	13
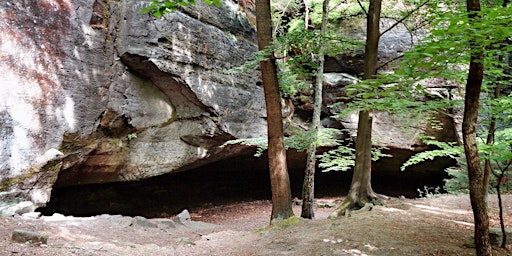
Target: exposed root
358	205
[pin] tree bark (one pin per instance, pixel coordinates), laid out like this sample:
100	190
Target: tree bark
476	175
279	180
361	191
308	189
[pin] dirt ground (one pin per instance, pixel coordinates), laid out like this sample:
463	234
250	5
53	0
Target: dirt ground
427	226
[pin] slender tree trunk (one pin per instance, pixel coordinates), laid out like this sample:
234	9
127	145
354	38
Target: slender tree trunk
500	204
279	180
503	172
490	141
306	14
308	189
361	191
476	175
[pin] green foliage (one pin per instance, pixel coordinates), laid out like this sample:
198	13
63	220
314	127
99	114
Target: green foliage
297	50
499	153
290	84
299	142
159	7
444	54
132	136
339	10
260	143
377	153
342	158
447	48
429	192
445	149
501	150
458	181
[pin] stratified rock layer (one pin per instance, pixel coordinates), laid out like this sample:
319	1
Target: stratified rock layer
94	91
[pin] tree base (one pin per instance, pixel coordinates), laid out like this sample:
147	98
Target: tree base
355	205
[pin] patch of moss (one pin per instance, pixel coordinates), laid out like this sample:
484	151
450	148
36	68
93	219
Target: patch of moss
286	223
280	224
51	166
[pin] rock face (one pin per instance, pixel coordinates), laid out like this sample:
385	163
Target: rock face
94	91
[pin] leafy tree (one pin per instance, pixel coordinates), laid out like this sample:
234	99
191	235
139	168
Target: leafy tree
361	191
477	186
308	186
280	182
476	36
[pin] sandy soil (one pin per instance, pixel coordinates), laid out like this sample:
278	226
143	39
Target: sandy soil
427	226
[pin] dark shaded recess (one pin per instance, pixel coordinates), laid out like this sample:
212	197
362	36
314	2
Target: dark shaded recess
344	63
240	179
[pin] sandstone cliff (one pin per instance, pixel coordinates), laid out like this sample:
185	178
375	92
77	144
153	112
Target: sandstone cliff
93	91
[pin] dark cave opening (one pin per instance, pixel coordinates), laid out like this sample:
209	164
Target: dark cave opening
225	182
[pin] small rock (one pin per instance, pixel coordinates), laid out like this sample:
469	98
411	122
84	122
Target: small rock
31	215
496	236
9	210
143	222
323	204
185	241
23	236
56	217
25	207
166	223
183	217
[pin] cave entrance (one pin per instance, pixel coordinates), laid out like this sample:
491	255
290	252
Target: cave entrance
226	182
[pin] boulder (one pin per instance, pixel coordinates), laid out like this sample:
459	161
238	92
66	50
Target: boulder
143	222
10	209
95	91
183	217
24	236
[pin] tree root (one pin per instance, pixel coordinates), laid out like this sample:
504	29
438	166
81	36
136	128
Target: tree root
359	205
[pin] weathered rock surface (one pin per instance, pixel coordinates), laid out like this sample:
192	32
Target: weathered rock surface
399	135
94	91
391	44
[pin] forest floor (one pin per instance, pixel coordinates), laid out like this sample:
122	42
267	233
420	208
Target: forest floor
437	225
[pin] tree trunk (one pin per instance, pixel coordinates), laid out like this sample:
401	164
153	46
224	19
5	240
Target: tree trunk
361	191
476	175
279	180
308	189
500	204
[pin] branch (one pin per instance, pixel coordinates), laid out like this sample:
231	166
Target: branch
281	18
362	8
389	61
403	18
410	30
